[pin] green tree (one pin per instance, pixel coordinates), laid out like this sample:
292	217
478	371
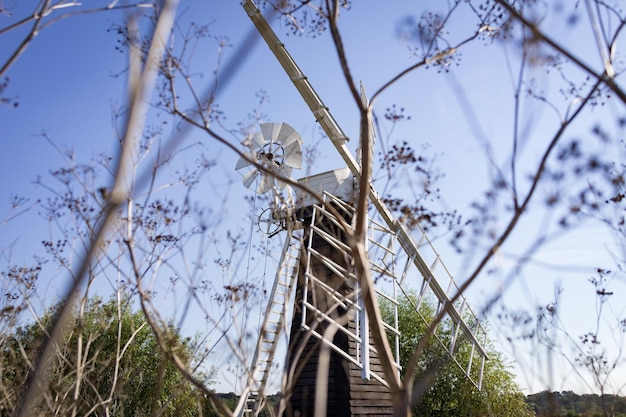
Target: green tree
108	364
442	388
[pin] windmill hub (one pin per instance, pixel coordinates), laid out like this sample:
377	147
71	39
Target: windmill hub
275	155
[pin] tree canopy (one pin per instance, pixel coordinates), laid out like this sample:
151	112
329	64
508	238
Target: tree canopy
570	404
442	387
109	363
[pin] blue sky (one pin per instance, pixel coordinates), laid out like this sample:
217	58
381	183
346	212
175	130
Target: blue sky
66	86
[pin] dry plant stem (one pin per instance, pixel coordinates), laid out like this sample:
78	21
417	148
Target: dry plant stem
139	89
12	214
121	350
412	365
600	41
423	62
160	337
45	10
398	392
368	292
538	35
40	370
96	10
321	388
516	113
80	366
333	14
400	395
358	240
299	359
229	70
27	40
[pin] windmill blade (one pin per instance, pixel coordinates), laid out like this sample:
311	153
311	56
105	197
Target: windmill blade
270	131
244	161
258	140
250	177
293	155
266	183
285	172
287	135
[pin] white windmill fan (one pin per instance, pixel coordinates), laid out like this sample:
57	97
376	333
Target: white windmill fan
278	147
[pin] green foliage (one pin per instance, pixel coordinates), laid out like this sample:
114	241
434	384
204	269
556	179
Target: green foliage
447	391
568	403
108	364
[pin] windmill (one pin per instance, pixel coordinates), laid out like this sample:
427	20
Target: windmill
325	309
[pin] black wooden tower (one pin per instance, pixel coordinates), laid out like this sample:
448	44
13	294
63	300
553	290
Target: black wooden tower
328	315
